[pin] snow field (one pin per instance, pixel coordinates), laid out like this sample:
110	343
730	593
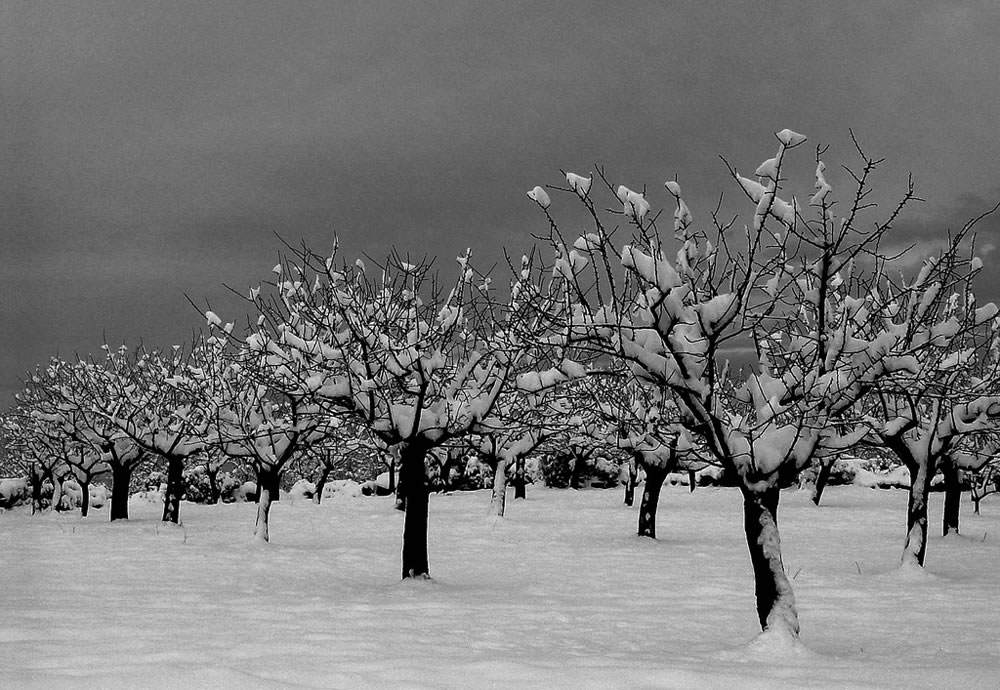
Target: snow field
560	593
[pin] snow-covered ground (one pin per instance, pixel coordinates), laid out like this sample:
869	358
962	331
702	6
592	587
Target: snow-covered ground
559	594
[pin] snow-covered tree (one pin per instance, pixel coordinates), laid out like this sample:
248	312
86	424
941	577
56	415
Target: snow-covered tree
205	471
935	411
416	364
47	432
85	463
789	285
522	423
52	445
257	407
136	393
33	450
342	450
646	424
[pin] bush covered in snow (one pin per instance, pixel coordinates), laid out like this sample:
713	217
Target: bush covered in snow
302	490
14	491
198	485
99	495
342	488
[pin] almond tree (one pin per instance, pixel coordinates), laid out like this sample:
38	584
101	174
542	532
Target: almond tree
137	394
209	463
342	448
44	435
416	365
50	436
647	424
936	412
41	459
76	398
85	463
258	409
787	285
523	423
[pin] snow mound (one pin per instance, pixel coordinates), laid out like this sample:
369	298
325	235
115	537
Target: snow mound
245	492
302	490
772	646
345	488
907	572
72	495
897	478
149	496
13	491
99	495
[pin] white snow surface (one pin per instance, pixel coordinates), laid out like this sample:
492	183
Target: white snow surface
559	594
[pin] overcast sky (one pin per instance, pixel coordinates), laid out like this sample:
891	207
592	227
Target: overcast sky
152	149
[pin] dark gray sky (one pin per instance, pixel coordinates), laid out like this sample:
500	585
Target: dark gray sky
151	149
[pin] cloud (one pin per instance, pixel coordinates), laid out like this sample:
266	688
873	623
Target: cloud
927	234
153	149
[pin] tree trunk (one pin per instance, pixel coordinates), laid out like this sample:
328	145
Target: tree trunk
56	493
272	482
915	546
445	476
121	478
655	476
519	480
822	477
579	463
975	504
175	487
320	485
36	492
775	600
692	481
214	494
85	498
630	481
392	476
952	497
413	481
499	500
266	481
400	490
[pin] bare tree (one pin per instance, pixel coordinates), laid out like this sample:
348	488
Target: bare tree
416	365
136	394
788	286
523	423
933	411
